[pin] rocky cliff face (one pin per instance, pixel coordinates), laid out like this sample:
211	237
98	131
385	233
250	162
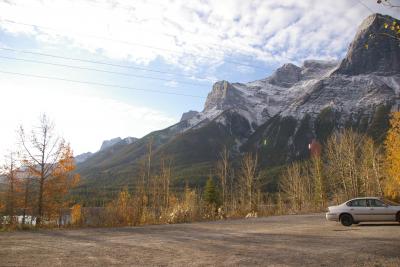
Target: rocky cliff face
222	96
82	157
286	76
373	50
109	143
188	115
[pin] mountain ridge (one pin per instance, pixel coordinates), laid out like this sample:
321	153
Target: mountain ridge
276	116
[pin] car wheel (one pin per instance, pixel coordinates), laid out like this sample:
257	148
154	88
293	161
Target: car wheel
346	219
398	217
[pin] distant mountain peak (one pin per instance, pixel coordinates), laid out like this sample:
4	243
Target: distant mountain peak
221	96
372	50
188	115
129	140
286	76
109	143
82	157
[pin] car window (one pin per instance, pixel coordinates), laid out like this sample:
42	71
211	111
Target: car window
375	203
391	203
357	203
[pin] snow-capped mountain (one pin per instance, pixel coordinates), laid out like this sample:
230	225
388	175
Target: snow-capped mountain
365	78
279	115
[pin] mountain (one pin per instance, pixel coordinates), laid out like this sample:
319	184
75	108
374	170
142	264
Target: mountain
107	144
188	115
82	157
277	116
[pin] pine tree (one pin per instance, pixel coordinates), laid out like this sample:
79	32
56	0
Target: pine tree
210	193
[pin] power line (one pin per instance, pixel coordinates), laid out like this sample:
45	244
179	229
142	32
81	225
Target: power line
103	63
132	43
367	7
98	70
98	84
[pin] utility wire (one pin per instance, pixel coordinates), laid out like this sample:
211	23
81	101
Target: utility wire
102	63
99	70
131	43
367	7
98	84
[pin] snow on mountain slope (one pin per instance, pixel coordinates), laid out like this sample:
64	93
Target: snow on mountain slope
366	77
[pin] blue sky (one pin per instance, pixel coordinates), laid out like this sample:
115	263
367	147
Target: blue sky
198	41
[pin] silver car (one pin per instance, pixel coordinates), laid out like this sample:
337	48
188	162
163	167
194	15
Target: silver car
366	209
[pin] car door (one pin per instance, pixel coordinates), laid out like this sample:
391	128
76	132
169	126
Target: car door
359	210
380	211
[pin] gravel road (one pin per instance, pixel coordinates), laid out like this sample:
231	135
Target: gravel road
293	240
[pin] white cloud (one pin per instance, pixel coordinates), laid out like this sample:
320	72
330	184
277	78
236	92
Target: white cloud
192	34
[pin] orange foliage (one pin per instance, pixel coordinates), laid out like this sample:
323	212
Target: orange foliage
392	145
59	184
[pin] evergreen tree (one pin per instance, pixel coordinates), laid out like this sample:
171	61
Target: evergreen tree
210	193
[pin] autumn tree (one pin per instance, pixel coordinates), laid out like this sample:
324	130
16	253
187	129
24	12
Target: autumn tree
341	156
76	214
47	157
293	185
248	180
392	157
10	173
26	202
223	170
315	169
165	177
370	167
60	183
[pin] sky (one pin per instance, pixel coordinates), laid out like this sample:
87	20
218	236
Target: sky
115	68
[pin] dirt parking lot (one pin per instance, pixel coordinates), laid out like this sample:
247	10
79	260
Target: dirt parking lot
295	240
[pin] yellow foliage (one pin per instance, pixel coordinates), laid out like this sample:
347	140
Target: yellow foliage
120	211
76	214
392	145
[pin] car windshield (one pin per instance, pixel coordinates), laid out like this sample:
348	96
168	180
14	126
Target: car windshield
391	203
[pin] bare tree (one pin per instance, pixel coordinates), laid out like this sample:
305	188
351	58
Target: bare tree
223	173
293	186
248	179
42	150
318	181
342	155
165	174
